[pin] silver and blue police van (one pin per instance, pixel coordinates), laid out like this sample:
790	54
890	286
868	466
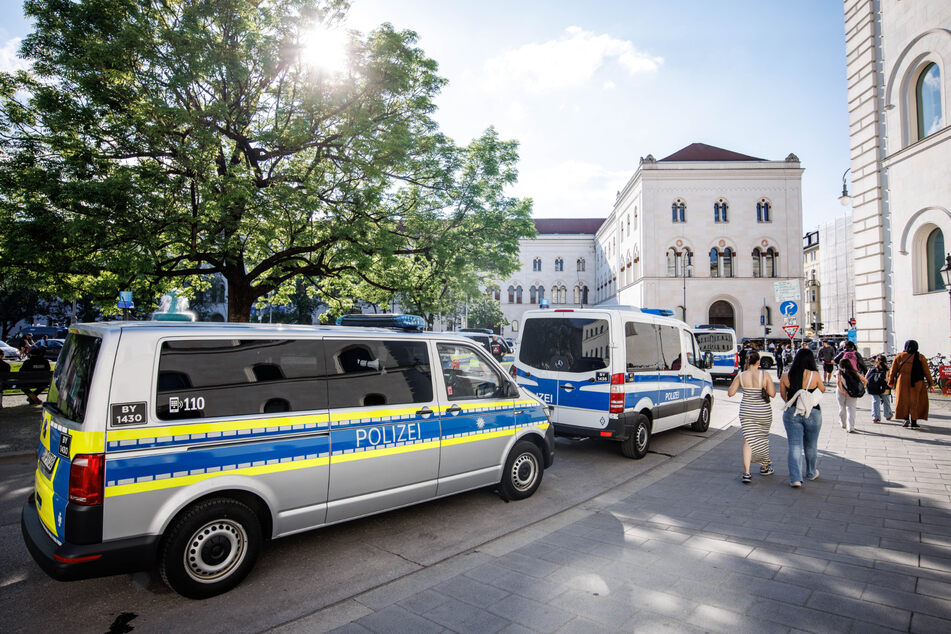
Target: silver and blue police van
621	373
187	445
720	341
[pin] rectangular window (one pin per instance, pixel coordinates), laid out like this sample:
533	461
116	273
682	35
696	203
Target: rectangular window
641	347
365	372
69	391
670	347
227	377
468	374
566	345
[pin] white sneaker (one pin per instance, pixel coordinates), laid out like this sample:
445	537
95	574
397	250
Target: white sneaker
795	484
813	477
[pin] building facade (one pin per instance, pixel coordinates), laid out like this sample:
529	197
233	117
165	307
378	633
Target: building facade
898	64
836	275
557	267
707	229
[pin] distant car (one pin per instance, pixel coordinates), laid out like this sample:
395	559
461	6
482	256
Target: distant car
493	343
9	352
511	343
52	348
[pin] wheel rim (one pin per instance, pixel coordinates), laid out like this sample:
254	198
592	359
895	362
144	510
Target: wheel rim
704	415
215	550
524	471
642	436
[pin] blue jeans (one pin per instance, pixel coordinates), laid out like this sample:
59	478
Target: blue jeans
886	404
803	436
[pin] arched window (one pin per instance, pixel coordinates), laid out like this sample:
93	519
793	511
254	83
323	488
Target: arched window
511	294
629	224
577	295
559	264
685	268
541	294
726	265
719	211
762	210
537	264
532	295
714	262
493	292
671	262
928	101
757	264
584	294
518	294
678	210
580	264
771	267
934	247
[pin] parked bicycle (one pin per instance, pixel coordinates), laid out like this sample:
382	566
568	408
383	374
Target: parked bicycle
934	364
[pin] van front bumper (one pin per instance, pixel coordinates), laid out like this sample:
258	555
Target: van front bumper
70	562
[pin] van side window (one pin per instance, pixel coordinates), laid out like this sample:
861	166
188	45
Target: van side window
641	344
690	346
670	347
227	377
366	372
468	375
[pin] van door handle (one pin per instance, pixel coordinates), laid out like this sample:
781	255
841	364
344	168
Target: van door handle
568	387
425	411
455	409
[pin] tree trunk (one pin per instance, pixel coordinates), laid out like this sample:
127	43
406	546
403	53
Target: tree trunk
239	300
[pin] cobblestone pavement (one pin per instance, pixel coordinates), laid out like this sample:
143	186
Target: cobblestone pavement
687	547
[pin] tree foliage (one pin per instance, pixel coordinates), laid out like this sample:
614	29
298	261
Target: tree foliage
485	312
156	142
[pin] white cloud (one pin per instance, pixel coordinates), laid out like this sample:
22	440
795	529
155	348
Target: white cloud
609	85
9	62
571	189
567	62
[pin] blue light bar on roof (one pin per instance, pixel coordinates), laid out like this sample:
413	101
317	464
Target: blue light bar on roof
663	312
402	322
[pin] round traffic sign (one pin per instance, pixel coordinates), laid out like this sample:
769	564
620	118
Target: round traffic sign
788	308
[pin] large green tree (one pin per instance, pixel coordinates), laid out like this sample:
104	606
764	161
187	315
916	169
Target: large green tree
157	141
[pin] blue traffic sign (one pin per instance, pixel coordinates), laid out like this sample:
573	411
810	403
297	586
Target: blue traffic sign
788	308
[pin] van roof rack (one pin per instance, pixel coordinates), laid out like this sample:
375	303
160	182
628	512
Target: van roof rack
409	323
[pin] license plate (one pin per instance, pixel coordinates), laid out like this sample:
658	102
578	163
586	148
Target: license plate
49	460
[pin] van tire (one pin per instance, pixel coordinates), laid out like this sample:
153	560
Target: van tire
638	440
523	471
703	420
220	532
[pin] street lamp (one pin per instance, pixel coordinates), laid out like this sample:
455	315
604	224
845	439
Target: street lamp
845	199
946	272
686	271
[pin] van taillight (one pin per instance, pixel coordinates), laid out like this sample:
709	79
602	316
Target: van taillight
736	360
513	371
86	478
617	394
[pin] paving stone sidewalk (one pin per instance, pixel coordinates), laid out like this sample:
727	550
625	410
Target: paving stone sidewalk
687	547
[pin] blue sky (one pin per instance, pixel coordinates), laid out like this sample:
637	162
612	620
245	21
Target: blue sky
588	88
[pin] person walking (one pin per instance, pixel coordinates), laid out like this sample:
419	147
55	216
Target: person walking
877	378
908	377
826	354
802	416
780	356
756	415
851	387
851	353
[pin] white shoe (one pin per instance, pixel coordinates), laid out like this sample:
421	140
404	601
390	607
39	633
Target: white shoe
815	476
795	484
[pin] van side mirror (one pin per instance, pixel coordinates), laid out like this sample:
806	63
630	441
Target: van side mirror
707	360
511	390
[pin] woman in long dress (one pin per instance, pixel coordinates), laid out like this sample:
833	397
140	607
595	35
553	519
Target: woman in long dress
756	415
912	381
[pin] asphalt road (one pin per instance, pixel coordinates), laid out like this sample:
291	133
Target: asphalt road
301	574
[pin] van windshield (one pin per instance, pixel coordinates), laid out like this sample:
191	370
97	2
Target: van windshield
566	344
69	392
715	341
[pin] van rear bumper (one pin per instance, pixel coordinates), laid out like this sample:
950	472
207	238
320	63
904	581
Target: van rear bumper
71	562
615	429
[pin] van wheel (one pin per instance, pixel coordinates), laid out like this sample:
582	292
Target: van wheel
703	421
636	444
523	471
210	548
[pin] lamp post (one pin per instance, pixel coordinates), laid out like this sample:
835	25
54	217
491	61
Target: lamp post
946	273
686	271
845	199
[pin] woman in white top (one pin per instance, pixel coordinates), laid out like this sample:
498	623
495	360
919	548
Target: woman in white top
756	415
802	423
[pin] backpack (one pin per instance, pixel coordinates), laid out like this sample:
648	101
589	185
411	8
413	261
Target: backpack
876	381
853	385
852	358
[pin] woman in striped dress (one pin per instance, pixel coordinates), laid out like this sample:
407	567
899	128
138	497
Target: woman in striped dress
756	415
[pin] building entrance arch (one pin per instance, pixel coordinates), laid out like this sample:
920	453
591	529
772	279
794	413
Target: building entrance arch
721	312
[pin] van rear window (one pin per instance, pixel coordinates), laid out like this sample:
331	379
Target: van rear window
715	341
566	345
69	392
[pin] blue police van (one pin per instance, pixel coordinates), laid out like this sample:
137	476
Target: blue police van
720	341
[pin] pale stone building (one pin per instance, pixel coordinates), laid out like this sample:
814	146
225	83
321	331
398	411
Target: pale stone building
836	275
557	266
708	229
812	290
898	66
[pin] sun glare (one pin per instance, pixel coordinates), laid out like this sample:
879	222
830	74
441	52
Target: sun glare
325	49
